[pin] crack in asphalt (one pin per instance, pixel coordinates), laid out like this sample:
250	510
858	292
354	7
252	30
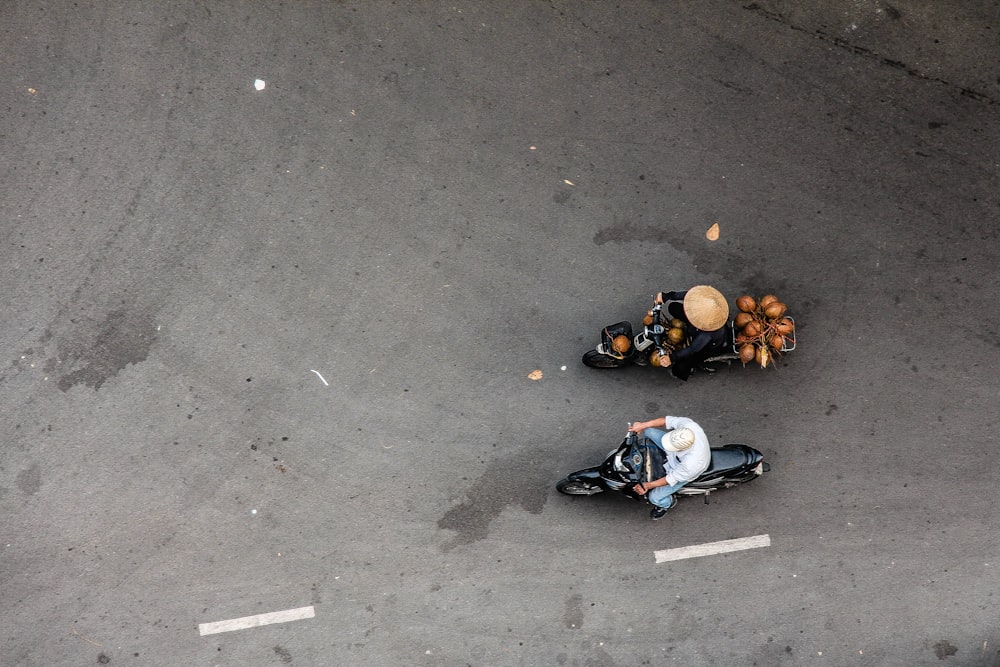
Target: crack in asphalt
863	52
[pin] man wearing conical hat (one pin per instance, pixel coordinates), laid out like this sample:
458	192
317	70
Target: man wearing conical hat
705	313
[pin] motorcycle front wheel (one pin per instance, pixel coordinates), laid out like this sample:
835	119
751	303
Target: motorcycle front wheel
577	487
595	359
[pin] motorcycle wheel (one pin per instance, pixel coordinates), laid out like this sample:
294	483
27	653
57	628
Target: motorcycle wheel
577	487
595	359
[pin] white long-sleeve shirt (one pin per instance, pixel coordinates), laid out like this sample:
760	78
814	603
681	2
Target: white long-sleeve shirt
687	465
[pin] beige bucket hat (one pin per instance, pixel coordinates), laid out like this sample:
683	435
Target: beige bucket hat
706	308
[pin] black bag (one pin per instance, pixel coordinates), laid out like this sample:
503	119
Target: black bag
645	460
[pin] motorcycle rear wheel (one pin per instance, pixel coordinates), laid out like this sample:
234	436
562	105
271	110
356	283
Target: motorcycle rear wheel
577	487
595	359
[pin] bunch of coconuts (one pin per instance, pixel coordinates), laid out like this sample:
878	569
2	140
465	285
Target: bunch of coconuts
675	339
763	329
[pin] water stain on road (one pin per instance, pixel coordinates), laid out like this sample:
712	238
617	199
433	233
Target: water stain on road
500	486
944	649
627	231
98	351
284	654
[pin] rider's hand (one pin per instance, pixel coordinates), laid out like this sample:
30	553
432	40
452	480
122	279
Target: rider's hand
635	427
658	298
640	489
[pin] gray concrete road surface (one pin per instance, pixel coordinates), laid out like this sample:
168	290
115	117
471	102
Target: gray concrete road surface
269	350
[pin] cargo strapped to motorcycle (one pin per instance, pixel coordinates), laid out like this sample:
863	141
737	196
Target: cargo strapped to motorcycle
613	331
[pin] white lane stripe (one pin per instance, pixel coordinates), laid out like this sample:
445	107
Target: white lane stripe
254	621
712	548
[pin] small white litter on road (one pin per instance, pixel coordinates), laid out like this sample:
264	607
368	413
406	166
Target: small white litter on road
259	84
321	377
255	621
712	548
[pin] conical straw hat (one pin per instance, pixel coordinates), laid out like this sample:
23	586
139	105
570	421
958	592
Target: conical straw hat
706	308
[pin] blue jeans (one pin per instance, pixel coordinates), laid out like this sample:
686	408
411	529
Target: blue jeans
661	496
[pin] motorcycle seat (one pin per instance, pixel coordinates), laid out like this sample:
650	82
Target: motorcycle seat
729	457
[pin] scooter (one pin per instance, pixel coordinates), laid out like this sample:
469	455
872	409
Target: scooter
638	459
661	334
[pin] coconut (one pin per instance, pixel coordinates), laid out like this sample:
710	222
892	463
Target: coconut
784	326
747	353
746	303
776	341
675	336
621	344
742	319
774	310
767	299
752	328
676	323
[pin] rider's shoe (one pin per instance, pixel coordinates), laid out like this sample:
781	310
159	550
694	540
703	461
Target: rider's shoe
658	512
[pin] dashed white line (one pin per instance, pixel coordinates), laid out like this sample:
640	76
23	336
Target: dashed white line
256	620
712	548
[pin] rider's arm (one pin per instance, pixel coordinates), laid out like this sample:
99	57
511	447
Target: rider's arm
642	487
639	427
698	343
661	297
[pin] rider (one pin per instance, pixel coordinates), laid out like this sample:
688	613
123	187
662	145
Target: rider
688	455
705	312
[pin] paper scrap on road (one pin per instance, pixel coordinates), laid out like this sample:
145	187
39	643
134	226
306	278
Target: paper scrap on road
259	84
713	232
535	375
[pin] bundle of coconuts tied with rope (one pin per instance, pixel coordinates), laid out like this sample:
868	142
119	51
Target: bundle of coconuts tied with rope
763	330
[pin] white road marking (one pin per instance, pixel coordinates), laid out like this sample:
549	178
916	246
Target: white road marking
712	548
321	377
254	621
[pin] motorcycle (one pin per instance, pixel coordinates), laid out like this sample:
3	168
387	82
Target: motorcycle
638	460
661	334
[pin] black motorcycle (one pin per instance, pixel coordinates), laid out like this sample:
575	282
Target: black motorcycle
638	460
661	334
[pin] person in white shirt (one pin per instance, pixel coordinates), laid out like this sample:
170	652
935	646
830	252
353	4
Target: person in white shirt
688	455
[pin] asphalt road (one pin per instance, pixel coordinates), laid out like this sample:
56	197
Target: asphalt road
270	349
